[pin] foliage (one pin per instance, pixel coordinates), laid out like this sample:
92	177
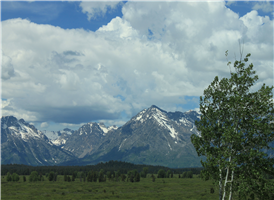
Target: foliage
137	177
161	173
65	178
153	178
144	172
15	177
8	177
33	176
111	166
51	176
123	177
168	173
236	130
189	174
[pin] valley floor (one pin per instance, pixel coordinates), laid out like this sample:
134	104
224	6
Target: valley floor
167	188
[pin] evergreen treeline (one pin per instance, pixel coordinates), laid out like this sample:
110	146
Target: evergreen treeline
111	166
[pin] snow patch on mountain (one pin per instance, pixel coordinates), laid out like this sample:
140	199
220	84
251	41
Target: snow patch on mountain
51	134
106	129
169	146
24	132
185	121
59	141
122	144
140	116
162	120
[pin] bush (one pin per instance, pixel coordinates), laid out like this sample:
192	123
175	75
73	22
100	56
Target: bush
123	177
161	173
168	173
184	175
189	174
143	175
137	177
51	176
8	178
24	178
153	178
15	177
33	176
65	178
109	175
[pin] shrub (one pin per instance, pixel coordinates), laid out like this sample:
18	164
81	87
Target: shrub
161	173
184	175
137	177
65	178
143	175
51	176
123	177
33	176
153	178
189	174
8	178
15	177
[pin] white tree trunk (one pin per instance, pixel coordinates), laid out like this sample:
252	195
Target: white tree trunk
230	192
220	184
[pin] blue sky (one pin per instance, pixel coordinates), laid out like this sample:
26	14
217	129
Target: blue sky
69	63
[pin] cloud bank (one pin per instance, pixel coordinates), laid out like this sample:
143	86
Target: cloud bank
158	53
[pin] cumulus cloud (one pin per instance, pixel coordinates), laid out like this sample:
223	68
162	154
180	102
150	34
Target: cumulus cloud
7	70
97	9
44	125
265	6
158	53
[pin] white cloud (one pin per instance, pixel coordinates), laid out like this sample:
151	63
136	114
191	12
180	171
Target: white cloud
265	6
44	125
75	76
228	3
95	9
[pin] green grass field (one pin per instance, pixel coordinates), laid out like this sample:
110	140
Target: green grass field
167	188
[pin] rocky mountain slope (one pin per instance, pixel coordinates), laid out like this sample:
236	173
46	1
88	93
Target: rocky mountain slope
153	137
85	139
22	143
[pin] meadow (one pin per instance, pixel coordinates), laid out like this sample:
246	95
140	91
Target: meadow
162	188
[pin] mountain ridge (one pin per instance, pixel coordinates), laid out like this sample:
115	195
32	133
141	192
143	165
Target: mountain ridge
152	136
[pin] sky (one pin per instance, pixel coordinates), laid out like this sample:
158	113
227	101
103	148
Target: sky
67	63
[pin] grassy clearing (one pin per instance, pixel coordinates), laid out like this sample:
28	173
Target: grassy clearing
168	188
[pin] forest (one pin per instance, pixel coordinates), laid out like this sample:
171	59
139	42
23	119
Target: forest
111	166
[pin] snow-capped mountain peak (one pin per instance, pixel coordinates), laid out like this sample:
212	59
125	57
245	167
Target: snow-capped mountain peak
20	128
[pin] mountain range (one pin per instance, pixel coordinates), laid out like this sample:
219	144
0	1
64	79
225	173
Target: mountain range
153	137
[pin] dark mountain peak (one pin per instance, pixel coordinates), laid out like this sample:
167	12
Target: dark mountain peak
8	121
9	118
153	108
22	121
67	129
